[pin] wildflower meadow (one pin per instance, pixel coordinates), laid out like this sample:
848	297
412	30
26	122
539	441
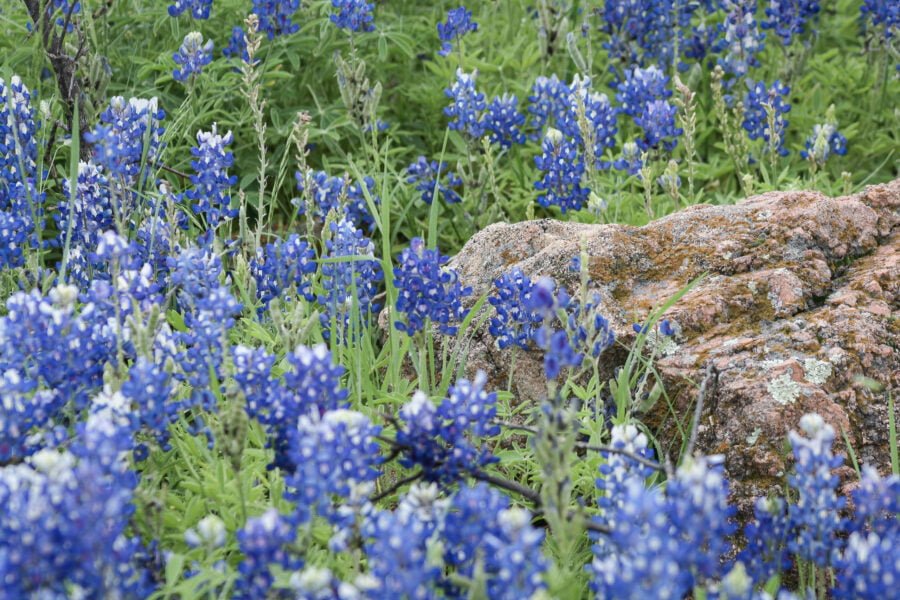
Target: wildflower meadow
233	349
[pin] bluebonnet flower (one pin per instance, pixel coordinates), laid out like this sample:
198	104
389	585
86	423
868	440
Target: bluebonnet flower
350	286
618	468
868	568
118	141
18	141
484	537
66	10
397	546
444	440
427	291
322	190
558	351
790	17
815	517
425	175
209	310
26	412
630	161
200	9
640	31
149	387
741	39
466	105
275	16
21	211
211	181
355	15
14	232
282	265
312	384
697	43
640	558
332	453
590	120
824	141
262	542
697	506
46	548
459	23
192	56
504	122
562	169
765	554
513	323
548	104
356	209
756	118
237	44
52	345
253	374
91	210
658	124
589	331
640	87
883	14
876	503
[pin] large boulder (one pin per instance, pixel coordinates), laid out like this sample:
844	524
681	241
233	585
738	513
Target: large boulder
797	312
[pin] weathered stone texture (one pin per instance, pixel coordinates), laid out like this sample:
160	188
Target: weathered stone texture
800	301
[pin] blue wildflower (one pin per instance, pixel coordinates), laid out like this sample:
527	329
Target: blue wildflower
275	16
824	141
513	323
790	17
237	44
45	545
630	161
640	87
149	387
211	181
333	454
445	441
91	209
459	23
427	291
562	168
741	40
397	546
200	9
262	542
467	105
548	104
350	286
883	16
485	537
868	568
21	211
658	123
355	15
876	503
642	31
66	12
119	140
425	175
765	554
504	122
192	56
758	101
815	518
280	266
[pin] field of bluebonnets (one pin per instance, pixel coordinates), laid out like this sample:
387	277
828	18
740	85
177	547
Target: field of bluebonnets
204	207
